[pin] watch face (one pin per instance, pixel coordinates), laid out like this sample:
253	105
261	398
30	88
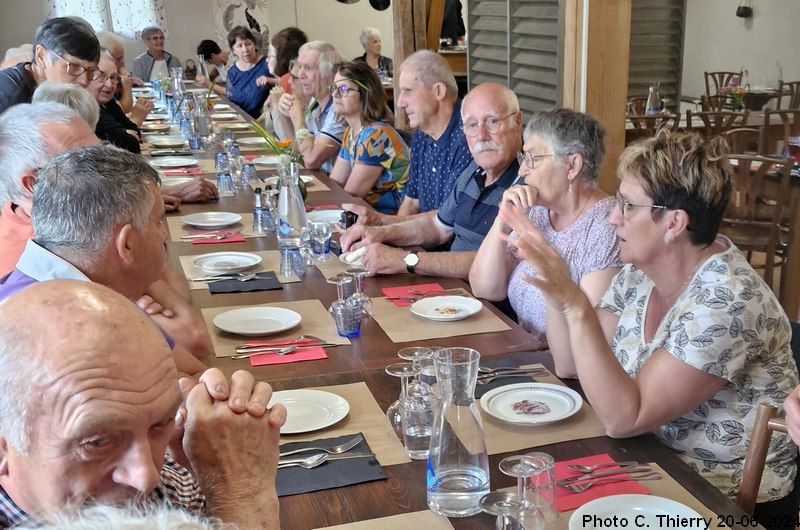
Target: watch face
411	259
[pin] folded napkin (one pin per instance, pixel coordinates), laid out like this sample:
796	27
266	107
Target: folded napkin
331	474
480	390
310	354
402	291
264	281
211	240
196	170
566	500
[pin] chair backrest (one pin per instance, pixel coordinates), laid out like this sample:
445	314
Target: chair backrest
791	91
650	124
716	122
636	106
790	121
755	459
716	80
744	140
716	102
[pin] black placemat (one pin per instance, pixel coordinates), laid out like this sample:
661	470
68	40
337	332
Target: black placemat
331	474
264	281
480	390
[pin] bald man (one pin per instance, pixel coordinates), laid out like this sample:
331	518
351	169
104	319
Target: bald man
493	126
90	407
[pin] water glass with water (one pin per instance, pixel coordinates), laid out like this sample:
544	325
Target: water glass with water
417	413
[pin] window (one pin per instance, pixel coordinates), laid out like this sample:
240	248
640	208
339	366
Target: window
126	18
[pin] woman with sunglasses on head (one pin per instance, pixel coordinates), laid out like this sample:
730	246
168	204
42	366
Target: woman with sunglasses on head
688	339
562	154
373	161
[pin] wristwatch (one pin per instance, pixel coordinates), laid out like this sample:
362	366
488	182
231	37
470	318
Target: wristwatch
411	260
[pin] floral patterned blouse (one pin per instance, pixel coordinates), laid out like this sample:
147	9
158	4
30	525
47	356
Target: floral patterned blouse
727	323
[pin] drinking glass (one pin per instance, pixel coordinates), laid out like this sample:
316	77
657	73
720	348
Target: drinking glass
347	317
422	357
393	414
222	163
360	279
417	414
321	232
225	185
344	285
793	147
535	474
249	173
508	508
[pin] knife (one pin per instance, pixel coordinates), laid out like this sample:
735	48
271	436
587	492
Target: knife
342	456
269	349
606	473
169	152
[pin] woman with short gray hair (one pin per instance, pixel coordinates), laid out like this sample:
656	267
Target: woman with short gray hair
156	61
371	42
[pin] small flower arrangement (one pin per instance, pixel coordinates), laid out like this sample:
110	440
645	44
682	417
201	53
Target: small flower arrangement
737	93
283	148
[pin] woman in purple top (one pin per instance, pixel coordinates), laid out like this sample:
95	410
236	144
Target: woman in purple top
249	79
561	158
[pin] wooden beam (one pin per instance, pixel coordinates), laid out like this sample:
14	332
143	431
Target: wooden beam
435	17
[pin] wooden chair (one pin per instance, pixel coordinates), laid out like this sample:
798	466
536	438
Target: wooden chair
715	122
790	89
717	80
716	102
770	137
753	219
636	106
744	140
755	459
648	125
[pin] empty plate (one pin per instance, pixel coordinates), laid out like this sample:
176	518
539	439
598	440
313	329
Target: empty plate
254	140
224	116
275	181
237	126
269	160
222	106
220	262
167	142
531	403
211	219
446	308
310	410
155	127
331	216
173	161
643	509
253	321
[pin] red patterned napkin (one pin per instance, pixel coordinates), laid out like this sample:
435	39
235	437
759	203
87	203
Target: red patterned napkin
210	240
566	500
192	170
402	291
311	354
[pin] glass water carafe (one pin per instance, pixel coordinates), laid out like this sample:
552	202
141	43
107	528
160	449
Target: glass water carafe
458	464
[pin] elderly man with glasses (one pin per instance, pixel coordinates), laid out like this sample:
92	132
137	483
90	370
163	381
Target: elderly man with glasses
65	50
493	125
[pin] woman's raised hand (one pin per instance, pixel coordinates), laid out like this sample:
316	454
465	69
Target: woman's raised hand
522	196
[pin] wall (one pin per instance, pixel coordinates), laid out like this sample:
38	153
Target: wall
190	21
718	40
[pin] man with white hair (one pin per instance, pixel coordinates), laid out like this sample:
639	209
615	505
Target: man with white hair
90	408
114	44
77	98
319	136
493	125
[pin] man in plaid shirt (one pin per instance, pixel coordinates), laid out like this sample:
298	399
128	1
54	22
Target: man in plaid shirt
91	403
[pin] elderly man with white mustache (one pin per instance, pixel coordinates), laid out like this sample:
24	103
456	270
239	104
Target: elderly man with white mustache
492	124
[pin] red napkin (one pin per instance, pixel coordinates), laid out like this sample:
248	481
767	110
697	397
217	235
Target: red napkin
196	170
402	291
251	156
310	354
566	500
238	238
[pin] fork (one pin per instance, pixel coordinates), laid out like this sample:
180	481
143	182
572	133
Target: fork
521	373
261	344
241	276
580	488
335	450
212	235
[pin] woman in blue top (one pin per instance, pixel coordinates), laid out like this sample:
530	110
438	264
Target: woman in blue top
373	161
249	80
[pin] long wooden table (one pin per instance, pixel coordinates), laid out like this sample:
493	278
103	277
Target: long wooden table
364	360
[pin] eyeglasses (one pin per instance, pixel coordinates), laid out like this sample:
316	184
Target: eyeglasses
530	159
76	70
342	90
491	124
625	204
103	77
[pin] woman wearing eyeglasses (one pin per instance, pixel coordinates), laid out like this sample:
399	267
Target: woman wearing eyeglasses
688	338
562	154
373	161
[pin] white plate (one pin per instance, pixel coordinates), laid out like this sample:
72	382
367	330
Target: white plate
197	90
331	216
255	140
275	181
175	181
310	410
157	116
630	507
237	126
173	161
563	402
269	160
222	106
168	141
353	258
252	321
224	116
211	219
219	262
155	127
446	308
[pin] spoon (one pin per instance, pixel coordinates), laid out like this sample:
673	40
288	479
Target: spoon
308	463
242	277
589	469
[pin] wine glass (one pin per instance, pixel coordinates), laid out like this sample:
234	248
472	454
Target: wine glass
393	413
359	278
344	285
422	357
321	232
508	508
535	485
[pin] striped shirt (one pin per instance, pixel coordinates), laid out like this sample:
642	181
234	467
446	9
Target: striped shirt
470	208
176	488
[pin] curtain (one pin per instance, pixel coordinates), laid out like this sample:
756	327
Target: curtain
126	18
